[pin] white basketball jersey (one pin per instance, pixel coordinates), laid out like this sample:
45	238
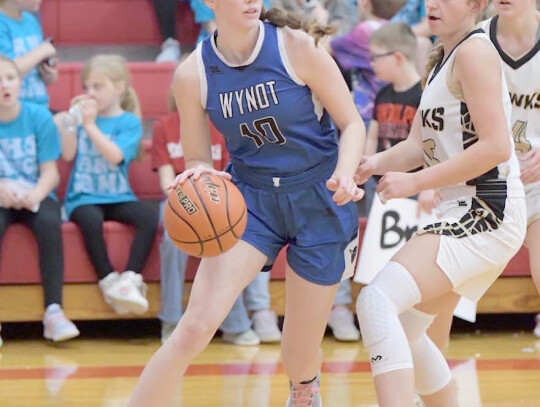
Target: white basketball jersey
523	78
447	130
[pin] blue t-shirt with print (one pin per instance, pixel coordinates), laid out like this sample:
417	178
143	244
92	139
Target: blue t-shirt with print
93	179
17	38
26	142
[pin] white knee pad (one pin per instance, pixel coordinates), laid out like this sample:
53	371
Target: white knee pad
431	371
377	307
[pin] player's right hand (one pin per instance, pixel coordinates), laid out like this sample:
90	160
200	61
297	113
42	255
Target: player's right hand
365	170
195	173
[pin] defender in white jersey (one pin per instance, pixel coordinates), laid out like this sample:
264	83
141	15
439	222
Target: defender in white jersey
515	32
467	149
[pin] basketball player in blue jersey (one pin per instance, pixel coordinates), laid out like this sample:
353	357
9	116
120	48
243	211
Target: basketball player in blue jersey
467	149
270	90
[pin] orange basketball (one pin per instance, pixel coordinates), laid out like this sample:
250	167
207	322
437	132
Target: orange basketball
205	217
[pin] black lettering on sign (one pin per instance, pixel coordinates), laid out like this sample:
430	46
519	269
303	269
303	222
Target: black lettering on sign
391	233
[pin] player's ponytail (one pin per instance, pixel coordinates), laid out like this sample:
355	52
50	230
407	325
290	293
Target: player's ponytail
435	57
297	21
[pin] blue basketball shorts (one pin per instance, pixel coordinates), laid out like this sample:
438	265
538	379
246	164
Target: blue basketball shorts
322	237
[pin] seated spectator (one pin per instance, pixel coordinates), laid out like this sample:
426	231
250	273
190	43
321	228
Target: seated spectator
166	15
21	38
103	145
168	161
29	148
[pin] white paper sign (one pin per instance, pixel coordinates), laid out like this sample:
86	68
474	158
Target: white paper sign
388	228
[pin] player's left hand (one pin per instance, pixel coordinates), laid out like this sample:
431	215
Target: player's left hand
531	172
345	189
397	185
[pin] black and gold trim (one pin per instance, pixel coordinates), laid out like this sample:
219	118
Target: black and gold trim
440	64
486	213
511	62
469	138
480	218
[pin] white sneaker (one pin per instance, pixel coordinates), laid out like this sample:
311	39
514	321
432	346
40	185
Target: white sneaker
125	292
341	321
265	326
56	326
247	338
536	331
170	51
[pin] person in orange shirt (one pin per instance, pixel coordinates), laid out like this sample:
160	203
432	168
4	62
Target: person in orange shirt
168	161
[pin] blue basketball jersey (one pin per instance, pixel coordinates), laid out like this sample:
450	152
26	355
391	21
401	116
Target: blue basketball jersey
272	122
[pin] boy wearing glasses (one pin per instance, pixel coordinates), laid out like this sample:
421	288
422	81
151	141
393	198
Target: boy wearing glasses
393	50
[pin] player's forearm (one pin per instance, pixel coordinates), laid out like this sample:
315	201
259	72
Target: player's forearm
404	156
351	147
476	160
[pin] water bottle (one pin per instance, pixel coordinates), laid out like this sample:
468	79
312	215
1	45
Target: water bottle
73	118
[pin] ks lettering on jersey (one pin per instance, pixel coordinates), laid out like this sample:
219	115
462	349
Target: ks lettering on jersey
433	118
526	101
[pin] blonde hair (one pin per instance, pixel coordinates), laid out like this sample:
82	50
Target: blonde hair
11	62
386	9
396	37
296	21
116	69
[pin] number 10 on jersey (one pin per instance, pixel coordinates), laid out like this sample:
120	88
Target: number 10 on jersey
266	130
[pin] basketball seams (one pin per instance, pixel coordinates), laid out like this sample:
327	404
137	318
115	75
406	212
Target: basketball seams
230	229
196	190
200	242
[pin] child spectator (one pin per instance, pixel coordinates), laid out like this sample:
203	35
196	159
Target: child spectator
103	146
29	148
393	49
168	161
393	55
21	38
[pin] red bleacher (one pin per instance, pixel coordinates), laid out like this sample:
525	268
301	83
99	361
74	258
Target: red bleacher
79	22
151	82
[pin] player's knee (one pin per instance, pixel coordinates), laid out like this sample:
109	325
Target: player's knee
194	331
372	309
415	324
392	292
